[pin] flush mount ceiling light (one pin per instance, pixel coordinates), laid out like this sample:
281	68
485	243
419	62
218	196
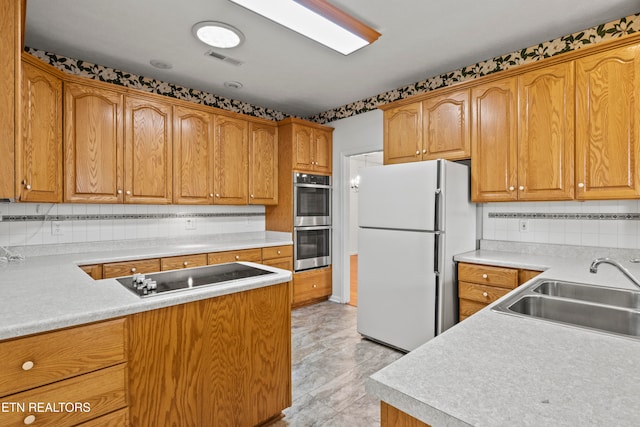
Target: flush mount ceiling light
217	34
318	20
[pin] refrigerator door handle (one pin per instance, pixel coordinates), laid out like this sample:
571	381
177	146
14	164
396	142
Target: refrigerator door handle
436	212
436	254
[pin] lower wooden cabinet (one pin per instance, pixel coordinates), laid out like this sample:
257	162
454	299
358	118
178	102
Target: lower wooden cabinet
390	416
216	362
183	261
480	285
247	255
311	286
115	419
127	268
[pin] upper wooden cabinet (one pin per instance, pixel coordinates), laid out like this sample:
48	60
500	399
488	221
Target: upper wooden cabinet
192	156
312	148
263	164
546	133
608	124
39	151
93	145
493	141
147	151
435	128
231	156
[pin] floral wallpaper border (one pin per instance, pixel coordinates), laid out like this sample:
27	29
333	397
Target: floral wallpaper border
600	33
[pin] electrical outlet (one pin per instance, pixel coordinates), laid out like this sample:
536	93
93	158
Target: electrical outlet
524	225
56	228
190	224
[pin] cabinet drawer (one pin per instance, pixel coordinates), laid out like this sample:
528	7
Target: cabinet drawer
487	275
115	419
185	261
249	255
42	359
95	394
310	285
277	252
95	271
481	293
526	275
467	308
127	268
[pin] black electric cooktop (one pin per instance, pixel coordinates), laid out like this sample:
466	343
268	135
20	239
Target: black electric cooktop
188	278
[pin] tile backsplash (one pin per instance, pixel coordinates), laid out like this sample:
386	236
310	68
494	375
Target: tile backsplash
612	223
23	224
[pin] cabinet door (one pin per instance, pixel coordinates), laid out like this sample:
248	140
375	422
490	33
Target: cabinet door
322	151
93	144
263	164
608	124
403	134
231	154
39	166
546	133
192	156
302	148
493	141
446	127
147	151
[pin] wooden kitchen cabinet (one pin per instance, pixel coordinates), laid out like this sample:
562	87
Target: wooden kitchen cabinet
403	134
39	150
280	257
118	418
148	170
494	152
93	146
390	416
245	255
263	164
311	145
311	286
192	156
231	157
446	127
183	261
127	268
546	100
226	361
93	270
480	285
608	124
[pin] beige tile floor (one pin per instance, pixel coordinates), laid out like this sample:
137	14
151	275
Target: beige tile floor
330	362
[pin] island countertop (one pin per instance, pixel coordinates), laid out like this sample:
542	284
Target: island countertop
496	369
47	292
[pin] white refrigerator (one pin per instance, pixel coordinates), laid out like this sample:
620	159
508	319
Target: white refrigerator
412	218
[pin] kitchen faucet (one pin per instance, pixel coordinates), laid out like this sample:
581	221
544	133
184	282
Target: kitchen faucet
596	262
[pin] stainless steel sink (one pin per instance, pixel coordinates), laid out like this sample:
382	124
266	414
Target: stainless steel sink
609	310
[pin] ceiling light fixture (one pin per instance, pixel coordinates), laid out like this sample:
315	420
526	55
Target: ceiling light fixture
318	20
161	65
217	34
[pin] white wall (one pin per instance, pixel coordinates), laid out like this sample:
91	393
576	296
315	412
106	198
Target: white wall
353	135
356	164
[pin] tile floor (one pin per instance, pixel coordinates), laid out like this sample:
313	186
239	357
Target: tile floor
330	364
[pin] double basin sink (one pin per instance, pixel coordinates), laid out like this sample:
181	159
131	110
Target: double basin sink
609	310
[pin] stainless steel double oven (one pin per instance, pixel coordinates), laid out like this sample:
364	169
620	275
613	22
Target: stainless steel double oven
312	221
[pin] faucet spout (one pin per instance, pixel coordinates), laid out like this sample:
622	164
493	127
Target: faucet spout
596	262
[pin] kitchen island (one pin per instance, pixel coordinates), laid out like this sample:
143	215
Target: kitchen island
496	369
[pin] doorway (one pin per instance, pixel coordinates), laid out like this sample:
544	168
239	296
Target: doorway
356	164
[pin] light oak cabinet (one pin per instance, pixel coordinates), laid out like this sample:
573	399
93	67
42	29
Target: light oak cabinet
403	134
226	361
127	268
231	157
608	124
39	151
93	146
246	255
84	364
183	261
311	286
390	416
263	164
311	145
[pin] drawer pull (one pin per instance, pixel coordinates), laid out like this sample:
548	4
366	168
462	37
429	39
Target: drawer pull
237	257
27	366
278	252
315	286
484	276
30	419
485	294
185	263
133	269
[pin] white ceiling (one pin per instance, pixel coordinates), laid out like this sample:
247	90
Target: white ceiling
290	73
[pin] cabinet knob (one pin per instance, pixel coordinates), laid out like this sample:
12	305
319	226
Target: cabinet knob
185	263
252	196
521	188
485	294
27	186
417	152
424	151
211	195
315	286
581	185
119	191
278	252
237	257
484	276
28	365
217	194
511	188
133	269
29	419
128	193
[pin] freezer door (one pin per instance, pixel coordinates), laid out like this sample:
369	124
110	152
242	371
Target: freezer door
399	196
396	287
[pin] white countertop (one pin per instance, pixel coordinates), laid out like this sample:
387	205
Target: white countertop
49	292
495	369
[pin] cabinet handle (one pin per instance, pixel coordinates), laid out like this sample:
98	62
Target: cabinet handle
27	186
217	194
252	196
278	252
484	276
521	188
580	185
28	365
417	152
128	193
511	188
211	195
29	419
119	191
315	286
185	263
484	294
424	151
133	269
237	257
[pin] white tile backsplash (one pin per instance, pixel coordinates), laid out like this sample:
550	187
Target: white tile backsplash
586	232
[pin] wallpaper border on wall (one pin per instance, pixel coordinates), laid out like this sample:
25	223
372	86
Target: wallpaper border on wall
565	216
100	217
611	30
105	74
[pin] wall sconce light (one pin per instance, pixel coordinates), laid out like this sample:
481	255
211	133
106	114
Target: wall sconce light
355	183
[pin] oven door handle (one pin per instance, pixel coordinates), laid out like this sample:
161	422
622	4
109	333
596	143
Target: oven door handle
328	187
312	228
